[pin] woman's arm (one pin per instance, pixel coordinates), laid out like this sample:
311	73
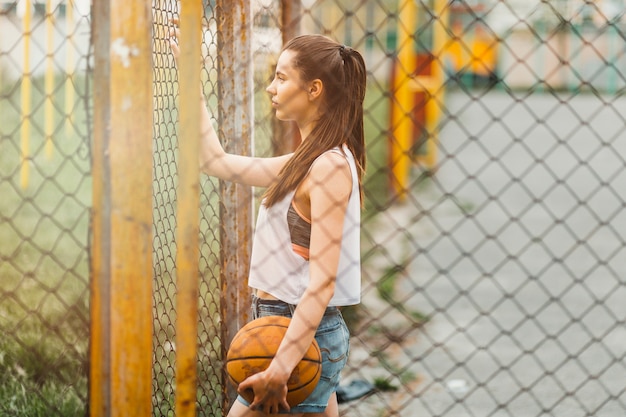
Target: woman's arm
214	161
328	185
259	172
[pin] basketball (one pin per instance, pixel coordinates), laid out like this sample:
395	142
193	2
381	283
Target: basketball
254	347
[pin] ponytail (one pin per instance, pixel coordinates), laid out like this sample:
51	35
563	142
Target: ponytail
355	83
342	72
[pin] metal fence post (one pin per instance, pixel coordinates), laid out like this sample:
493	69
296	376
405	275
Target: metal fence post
401	107
121	325
236	117
187	218
286	135
100	355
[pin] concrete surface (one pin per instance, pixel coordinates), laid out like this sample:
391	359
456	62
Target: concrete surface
516	251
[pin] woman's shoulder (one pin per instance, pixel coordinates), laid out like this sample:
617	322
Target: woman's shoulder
331	160
332	169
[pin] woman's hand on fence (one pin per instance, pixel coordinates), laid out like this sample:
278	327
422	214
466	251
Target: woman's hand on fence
174	36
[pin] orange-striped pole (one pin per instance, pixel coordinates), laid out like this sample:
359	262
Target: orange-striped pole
436	96
404	87
400	157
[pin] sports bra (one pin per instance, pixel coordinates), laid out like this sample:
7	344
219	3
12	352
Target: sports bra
299	230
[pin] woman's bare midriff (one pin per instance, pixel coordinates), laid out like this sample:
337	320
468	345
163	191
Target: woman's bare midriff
264	295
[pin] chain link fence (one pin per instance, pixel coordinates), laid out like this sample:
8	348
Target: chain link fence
165	180
493	238
44	210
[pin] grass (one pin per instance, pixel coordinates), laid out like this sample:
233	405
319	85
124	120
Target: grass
44	258
383	384
386	287
402	375
18	400
42	378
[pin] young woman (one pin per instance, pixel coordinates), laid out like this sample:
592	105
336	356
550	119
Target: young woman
305	261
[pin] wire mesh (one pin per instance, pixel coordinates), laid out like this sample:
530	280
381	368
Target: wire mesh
44	213
492	276
209	398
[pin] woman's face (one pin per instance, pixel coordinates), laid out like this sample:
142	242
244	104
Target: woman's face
289	94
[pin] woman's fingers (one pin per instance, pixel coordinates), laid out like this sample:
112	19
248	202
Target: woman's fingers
174	48
174	33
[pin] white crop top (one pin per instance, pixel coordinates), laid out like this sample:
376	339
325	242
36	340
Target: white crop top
280	271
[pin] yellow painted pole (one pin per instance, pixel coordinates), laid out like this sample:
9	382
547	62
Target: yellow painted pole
402	103
122	272
26	96
49	80
130	163
69	67
100	297
434	104
187	214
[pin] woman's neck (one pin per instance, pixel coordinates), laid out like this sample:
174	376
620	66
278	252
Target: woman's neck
307	125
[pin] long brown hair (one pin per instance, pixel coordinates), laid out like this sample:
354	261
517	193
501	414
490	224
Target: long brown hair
342	72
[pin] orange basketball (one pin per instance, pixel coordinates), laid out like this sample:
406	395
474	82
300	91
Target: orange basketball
254	347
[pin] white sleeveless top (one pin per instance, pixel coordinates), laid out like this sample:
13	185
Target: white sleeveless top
276	269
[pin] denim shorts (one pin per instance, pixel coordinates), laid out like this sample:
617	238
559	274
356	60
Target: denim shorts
333	338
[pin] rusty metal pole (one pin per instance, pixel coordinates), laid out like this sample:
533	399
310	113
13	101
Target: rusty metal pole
100	323
187	210
291	16
236	119
121	326
286	136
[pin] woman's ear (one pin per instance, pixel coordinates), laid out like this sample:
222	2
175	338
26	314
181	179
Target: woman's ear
315	89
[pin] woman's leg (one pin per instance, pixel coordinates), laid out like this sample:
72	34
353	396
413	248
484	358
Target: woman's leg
332	410
241	410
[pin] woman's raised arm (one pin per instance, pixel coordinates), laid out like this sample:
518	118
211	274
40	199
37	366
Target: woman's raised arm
214	161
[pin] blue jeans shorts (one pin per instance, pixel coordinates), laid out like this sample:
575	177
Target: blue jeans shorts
333	339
